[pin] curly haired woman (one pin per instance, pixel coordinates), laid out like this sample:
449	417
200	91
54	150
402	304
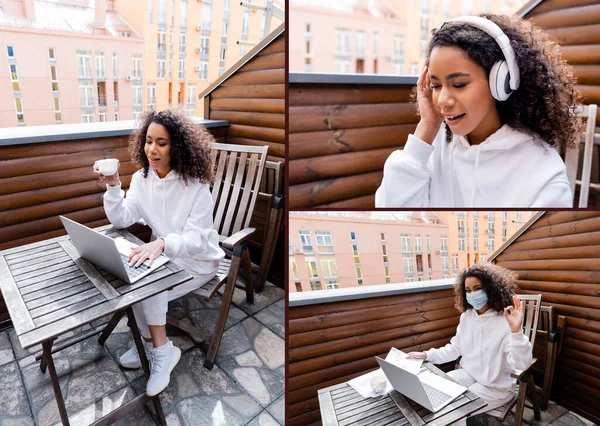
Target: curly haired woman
171	193
489	337
490	152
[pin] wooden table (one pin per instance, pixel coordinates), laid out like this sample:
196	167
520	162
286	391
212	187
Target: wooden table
342	405
50	290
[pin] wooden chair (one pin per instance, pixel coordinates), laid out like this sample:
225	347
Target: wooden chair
524	378
239	171
572	156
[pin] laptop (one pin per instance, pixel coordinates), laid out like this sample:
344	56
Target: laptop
428	389
111	255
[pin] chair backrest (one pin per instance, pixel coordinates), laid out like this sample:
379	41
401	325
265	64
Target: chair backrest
239	172
533	303
572	155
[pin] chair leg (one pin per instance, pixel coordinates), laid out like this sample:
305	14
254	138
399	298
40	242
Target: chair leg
533	397
520	401
247	271
215	340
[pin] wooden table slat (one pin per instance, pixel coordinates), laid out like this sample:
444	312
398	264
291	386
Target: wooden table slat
408	412
46	331
17	309
58	305
70	310
41	279
348	398
95	277
388	416
40	254
458	402
58	292
158	274
359	414
38	273
44	289
327	412
32	248
32	265
345	409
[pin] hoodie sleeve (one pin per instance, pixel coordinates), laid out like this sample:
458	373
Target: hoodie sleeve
518	351
122	211
406	176
197	229
556	193
448	353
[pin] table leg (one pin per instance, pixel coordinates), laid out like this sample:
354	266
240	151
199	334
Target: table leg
47	348
43	360
111	326
140	347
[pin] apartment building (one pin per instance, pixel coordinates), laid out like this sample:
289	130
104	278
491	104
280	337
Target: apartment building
347	249
474	236
73	61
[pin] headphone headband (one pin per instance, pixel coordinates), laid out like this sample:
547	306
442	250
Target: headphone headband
498	35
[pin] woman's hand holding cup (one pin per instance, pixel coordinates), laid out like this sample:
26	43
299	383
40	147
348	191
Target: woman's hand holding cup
108	171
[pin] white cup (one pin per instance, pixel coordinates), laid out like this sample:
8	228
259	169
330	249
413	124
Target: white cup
378	383
107	167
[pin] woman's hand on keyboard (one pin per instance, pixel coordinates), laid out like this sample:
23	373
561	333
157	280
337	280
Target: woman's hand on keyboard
416	355
148	251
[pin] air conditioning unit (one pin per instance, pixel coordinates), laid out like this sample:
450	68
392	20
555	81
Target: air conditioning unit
299	251
199	27
197	50
129	78
438	251
197	67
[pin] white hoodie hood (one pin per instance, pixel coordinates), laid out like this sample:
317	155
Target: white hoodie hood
181	214
509	169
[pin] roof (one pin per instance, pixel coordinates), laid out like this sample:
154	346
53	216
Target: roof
527	8
516	235
420	217
243	61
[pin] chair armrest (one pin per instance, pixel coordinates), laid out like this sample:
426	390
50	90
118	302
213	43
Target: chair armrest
278	202
237	238
520	373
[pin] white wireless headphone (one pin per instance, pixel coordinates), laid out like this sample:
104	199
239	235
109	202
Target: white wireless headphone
504	76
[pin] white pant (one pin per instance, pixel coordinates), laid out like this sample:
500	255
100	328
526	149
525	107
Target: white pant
488	395
153	311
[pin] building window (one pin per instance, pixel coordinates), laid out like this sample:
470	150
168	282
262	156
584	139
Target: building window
476	243
418	244
136	115
406	248
151	94
455	262
461	244
137	95
14	78
150	10
342	66
360	44
428	244
116	116
162	69
359	275
191	112
51	53
245	22
490	244
181	69
342	42
54	78
19	110
162	12
84	66
86	97
398	49
161	41
87	118
170	69
115	66
484	258
137	67
206	15
324	244
445	264
182	43
313	273
223	52
102	117
307	247
10	51
204	44
225	28
408	266
329	269
444	245
100	68
183	14
294	269
172	13
191	98
203	70
57	115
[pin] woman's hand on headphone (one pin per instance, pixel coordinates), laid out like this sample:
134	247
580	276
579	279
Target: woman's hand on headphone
431	117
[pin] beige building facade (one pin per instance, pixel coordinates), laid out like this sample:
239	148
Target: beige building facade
79	61
348	249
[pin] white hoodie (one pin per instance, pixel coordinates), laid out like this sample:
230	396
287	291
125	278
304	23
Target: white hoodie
490	351
509	169
181	214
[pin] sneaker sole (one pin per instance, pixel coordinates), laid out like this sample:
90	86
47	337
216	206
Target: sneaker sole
174	362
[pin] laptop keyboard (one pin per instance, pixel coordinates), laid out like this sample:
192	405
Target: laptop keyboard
436	397
131	271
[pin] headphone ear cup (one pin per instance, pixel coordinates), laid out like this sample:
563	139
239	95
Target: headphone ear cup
499	81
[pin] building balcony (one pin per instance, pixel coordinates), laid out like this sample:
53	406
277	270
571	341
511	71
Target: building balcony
325	249
102	101
419	272
418	250
407	251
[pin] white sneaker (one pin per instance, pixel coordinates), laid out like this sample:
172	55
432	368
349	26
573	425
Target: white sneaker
131	358
164	360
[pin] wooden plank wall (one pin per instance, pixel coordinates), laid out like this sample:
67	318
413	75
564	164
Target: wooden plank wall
331	343
40	181
339	139
575	24
559	258
253	100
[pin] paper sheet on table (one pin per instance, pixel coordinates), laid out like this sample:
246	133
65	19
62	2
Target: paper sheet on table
362	384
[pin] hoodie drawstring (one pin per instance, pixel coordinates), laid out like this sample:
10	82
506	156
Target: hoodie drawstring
477	151
452	147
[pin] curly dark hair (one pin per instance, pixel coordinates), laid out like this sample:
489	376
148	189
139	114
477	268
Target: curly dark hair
191	145
498	283
544	102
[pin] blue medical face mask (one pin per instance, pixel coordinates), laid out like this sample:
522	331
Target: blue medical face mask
477	299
